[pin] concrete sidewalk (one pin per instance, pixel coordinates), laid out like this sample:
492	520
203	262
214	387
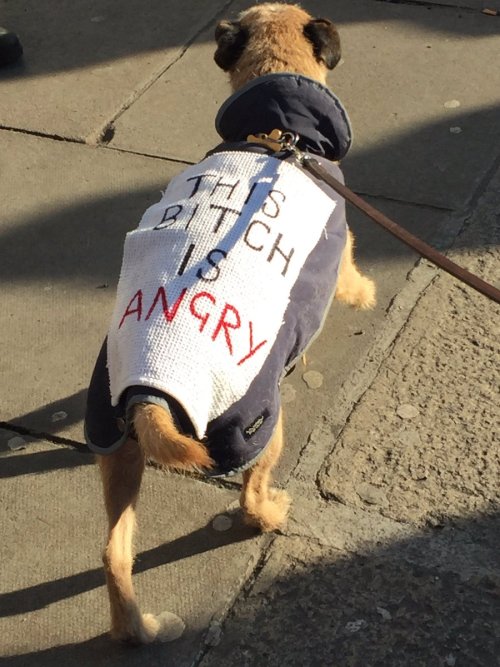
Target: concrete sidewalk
390	556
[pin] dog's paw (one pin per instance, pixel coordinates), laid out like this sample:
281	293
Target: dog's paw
366	296
270	514
360	294
166	626
148	628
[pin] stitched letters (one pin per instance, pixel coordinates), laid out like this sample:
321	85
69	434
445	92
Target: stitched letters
206	279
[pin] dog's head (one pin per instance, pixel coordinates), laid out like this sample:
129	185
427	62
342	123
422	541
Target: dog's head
275	37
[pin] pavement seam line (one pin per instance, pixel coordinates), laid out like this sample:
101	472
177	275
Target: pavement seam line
48	437
82	142
181	161
43	135
339	418
97	136
129	151
361	378
248	580
337	433
482	188
405	202
311	459
426	275
430	5
378	197
363	549
67	443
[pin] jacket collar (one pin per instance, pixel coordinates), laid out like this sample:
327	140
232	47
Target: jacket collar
288	102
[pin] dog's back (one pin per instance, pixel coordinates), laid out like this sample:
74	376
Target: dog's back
267	38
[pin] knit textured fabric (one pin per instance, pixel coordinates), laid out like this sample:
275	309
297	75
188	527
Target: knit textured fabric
244	232
206	280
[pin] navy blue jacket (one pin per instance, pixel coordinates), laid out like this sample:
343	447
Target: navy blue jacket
236	438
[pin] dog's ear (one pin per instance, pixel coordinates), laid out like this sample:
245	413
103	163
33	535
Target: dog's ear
325	39
231	39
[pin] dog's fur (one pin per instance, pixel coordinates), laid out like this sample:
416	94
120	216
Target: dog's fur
265	39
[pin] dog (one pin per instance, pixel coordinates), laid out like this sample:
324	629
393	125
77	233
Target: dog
275	54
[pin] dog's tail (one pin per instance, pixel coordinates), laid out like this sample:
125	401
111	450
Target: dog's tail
162	442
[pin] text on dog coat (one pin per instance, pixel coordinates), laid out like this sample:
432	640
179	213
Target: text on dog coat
222	322
258	236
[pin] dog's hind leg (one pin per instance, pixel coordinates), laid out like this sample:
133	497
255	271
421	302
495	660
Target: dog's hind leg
264	507
121	474
352	287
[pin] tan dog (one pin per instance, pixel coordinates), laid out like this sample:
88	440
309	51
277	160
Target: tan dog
268	38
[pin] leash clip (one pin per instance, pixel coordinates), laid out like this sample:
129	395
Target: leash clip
279	140
289	142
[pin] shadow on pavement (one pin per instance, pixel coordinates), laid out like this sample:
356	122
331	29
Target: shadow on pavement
80	247
102	652
429	164
84	242
70	35
432	599
26	463
67	36
427	600
204	539
78	242
73	406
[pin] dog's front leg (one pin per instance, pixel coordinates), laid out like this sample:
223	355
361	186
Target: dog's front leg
353	288
263	506
121	474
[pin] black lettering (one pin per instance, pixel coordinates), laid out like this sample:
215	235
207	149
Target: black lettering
186	259
195	211
197	180
213	264
277	249
251	191
167	216
223	210
276	209
231	186
247	234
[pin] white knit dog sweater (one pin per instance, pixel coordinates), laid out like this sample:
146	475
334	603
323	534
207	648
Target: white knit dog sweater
206	279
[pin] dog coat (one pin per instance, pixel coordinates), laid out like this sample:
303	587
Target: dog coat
224	284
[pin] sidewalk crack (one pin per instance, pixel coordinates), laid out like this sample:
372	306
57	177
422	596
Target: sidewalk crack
106	132
43	135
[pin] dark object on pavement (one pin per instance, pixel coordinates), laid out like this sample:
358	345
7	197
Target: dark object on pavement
10	47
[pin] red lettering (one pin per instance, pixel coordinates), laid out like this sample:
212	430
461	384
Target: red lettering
169	314
253	349
138	309
226	325
203	317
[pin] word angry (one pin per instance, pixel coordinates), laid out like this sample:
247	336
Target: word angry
219	321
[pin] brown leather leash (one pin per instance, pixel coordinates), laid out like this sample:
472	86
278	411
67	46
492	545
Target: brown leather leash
279	141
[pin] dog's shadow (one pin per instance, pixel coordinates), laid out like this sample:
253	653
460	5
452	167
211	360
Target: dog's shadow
98	651
28	463
197	542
